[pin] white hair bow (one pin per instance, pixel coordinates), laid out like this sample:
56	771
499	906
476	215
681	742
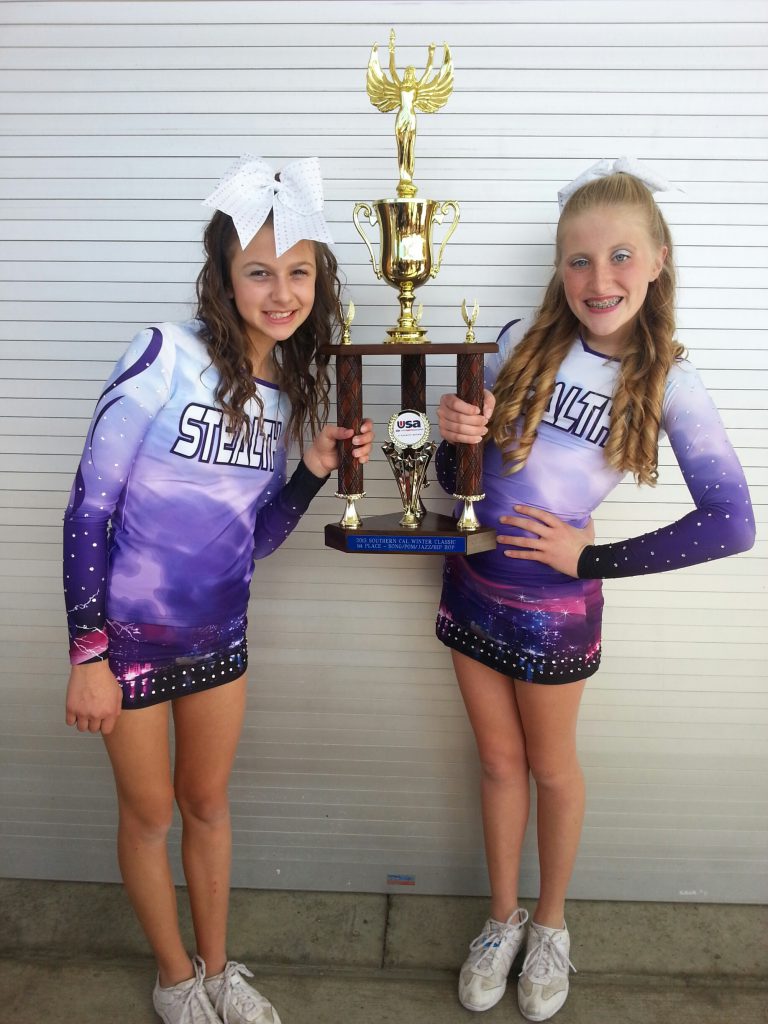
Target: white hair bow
626	164
248	192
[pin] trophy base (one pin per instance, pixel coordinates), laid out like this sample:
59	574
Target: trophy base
435	535
408	336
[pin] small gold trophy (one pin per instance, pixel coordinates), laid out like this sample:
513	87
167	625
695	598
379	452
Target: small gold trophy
469	320
406	261
409	452
346	319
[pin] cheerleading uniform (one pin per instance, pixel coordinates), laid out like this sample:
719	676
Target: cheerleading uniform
168	510
526	619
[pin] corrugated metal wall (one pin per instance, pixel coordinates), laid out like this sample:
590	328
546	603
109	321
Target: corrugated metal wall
356	763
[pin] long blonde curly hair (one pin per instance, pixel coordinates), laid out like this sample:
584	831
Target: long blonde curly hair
525	385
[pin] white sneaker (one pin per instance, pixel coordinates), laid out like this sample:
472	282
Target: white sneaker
187	1002
543	985
483	976
237	1002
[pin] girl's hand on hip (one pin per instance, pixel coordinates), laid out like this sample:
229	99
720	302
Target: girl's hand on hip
461	423
94	698
322	457
555	543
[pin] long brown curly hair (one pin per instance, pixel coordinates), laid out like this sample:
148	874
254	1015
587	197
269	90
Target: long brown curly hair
301	369
524	387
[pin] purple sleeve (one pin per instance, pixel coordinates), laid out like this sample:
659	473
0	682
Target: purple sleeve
722	522
278	517
446	466
507	339
134	394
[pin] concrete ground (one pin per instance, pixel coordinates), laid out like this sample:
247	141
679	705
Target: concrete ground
71	952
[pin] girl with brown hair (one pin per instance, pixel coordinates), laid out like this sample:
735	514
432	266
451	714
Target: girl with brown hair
578	399
181	486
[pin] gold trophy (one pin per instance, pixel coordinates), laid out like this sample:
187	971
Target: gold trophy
409	452
406	260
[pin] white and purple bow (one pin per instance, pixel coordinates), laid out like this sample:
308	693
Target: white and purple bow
248	192
625	164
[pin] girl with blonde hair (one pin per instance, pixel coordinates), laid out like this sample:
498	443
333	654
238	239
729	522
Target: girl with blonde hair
577	399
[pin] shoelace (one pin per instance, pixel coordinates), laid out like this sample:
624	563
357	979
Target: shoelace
541	962
492	938
191	1000
249	1000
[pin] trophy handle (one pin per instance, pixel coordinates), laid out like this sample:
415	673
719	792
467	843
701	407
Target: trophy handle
449	204
369	214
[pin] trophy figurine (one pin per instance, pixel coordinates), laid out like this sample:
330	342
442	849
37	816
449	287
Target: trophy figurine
406	95
469	320
406	260
346	319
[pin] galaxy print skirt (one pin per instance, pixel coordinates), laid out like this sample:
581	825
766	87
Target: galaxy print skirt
156	663
541	634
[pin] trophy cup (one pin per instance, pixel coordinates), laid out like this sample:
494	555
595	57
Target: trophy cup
406	261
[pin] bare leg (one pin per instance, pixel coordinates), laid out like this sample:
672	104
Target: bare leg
139	751
208	727
491	704
549	714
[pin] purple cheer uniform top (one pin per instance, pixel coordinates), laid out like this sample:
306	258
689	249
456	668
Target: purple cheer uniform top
526	619
167	513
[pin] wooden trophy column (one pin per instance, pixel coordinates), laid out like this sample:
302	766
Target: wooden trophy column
436	533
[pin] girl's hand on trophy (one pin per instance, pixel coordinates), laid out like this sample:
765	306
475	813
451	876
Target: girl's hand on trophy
461	423
363	442
322	457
